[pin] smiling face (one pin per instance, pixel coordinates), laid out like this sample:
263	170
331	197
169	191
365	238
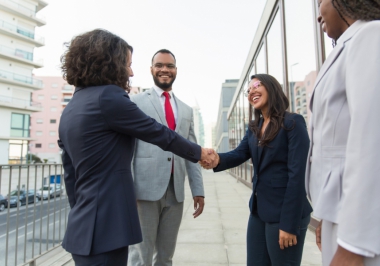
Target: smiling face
258	95
330	20
164	70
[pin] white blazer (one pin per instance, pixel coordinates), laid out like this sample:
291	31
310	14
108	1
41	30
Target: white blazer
343	169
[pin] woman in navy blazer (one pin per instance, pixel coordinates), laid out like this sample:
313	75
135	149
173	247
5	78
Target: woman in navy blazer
277	142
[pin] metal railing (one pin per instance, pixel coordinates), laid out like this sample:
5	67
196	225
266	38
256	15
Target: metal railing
19	102
34	219
22	9
21	78
22	31
16	52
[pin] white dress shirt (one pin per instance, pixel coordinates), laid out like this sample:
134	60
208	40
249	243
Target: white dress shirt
162	98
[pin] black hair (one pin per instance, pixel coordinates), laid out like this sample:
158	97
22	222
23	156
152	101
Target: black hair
277	105
164	51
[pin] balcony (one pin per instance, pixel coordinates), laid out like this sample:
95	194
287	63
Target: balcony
22	11
20	56
21	33
65	101
67	89
22	104
20	80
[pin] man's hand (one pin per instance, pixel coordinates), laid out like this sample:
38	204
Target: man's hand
318	236
209	161
287	239
199	204
343	257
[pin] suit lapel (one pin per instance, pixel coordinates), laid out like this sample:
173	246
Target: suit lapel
153	97
259	148
179	113
347	35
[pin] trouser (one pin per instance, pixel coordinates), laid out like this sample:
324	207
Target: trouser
329	245
160	221
263	247
117	257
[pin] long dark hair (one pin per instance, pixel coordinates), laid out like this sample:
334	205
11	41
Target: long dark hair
277	105
95	58
358	9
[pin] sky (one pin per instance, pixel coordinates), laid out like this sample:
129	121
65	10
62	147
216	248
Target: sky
210	39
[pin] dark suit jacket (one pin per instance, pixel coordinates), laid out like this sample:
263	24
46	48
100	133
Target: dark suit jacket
97	135
279	176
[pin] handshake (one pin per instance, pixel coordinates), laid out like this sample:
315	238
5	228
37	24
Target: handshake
209	158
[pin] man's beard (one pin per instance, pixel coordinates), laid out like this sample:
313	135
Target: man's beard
163	86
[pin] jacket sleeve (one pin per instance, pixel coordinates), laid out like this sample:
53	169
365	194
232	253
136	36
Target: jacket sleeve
359	213
194	172
69	175
123	116
235	157
295	195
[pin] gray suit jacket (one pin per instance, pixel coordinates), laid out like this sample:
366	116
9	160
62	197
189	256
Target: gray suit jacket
152	166
343	170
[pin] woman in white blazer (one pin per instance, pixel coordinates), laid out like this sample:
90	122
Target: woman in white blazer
343	169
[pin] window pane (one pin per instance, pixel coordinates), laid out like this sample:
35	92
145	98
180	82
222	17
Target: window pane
261	61
301	54
17	121
26	122
274	44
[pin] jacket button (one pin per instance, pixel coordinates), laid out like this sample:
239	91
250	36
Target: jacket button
169	159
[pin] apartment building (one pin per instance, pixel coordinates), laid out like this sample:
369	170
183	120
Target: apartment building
18	21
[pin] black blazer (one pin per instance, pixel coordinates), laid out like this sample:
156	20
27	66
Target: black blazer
97	135
279	173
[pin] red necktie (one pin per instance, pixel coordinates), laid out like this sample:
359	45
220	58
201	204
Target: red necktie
169	111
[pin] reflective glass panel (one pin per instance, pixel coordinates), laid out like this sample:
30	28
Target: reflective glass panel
261	62
274	44
301	54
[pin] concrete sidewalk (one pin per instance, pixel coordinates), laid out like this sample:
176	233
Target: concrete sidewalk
217	237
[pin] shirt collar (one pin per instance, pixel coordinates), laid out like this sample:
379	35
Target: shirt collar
159	91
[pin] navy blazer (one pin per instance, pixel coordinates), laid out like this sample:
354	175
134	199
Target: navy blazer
97	135
279	173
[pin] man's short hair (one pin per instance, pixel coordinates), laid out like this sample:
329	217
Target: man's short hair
164	51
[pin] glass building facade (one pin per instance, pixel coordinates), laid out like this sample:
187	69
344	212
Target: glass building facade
289	45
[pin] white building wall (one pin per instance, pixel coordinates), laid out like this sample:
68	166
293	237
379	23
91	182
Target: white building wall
17	43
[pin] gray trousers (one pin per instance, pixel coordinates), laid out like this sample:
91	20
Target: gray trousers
330	245
160	221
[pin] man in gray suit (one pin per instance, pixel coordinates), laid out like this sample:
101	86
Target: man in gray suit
159	176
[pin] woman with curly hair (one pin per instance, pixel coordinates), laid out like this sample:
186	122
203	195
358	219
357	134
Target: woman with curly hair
277	142
342	176
97	135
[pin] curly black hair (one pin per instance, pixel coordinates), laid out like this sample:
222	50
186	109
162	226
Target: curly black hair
366	10
95	58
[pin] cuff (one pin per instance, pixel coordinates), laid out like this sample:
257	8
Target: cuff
355	250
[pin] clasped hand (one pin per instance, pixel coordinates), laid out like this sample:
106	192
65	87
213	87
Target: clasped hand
209	159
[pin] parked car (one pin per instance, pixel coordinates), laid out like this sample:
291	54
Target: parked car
20	197
54	190
3	203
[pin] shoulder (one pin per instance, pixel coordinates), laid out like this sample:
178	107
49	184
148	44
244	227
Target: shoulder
292	120
368	35
139	97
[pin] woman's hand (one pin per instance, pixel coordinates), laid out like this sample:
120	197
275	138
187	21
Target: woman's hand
318	238
287	239
209	164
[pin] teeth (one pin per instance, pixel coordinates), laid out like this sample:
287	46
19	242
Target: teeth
255	98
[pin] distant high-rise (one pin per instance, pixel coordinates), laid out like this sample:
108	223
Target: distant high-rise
221	139
199	126
18	21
